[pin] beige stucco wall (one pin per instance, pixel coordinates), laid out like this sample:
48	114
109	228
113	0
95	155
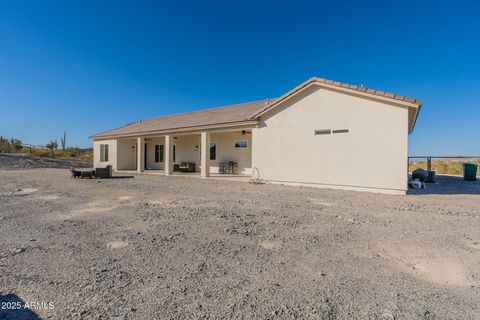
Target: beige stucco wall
187	149
226	151
112	154
126	154
372	156
151	164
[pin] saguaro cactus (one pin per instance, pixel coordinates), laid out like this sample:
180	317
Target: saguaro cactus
64	141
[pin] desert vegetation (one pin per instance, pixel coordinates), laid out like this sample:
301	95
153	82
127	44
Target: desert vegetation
443	166
49	150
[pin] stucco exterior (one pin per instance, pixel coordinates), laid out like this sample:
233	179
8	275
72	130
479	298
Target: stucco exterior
123	152
371	156
126	154
112	157
151	164
226	151
323	133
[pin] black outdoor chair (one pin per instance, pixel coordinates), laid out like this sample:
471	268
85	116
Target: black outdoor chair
103	172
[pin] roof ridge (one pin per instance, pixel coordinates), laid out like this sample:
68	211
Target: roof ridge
362	88
202	110
413	102
172	117
253	109
101	133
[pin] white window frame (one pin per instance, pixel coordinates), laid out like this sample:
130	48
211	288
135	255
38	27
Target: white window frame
235	144
210	152
161	153
104	155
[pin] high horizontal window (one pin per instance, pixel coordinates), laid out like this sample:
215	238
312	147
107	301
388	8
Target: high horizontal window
323	131
331	131
241	144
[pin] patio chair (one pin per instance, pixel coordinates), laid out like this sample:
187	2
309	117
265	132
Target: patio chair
76	173
187	167
222	167
232	167
103	172
87	174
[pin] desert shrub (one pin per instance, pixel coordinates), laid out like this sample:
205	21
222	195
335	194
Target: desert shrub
16	144
453	167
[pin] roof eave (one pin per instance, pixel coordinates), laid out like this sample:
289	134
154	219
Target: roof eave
226	125
417	111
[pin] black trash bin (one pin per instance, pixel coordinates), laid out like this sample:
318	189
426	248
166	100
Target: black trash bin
470	171
431	176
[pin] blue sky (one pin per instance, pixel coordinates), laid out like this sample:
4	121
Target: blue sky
89	66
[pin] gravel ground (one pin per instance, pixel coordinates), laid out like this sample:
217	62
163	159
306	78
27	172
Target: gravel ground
154	247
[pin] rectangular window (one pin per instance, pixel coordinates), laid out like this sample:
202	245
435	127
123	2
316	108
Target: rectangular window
213	151
323	131
159	153
241	144
174	151
340	130
104	152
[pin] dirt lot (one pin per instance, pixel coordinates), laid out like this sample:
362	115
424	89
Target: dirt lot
180	247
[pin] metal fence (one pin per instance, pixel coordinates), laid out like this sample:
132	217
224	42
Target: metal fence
428	159
32	150
31	147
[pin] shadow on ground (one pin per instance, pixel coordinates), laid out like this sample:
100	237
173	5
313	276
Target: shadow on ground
449	185
13	307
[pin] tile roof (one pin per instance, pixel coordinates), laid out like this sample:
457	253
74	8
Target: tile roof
219	115
414	104
353	87
244	111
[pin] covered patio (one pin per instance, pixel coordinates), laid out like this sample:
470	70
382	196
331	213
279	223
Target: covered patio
225	153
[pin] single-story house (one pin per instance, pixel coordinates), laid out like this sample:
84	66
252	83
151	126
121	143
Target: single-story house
322	133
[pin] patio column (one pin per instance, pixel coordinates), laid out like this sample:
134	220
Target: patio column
140	154
115	163
168	155
205	154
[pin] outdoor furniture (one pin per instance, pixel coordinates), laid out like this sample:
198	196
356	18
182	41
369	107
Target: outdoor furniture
76	173
82	173
222	167
184	167
187	167
87	174
103	172
229	167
